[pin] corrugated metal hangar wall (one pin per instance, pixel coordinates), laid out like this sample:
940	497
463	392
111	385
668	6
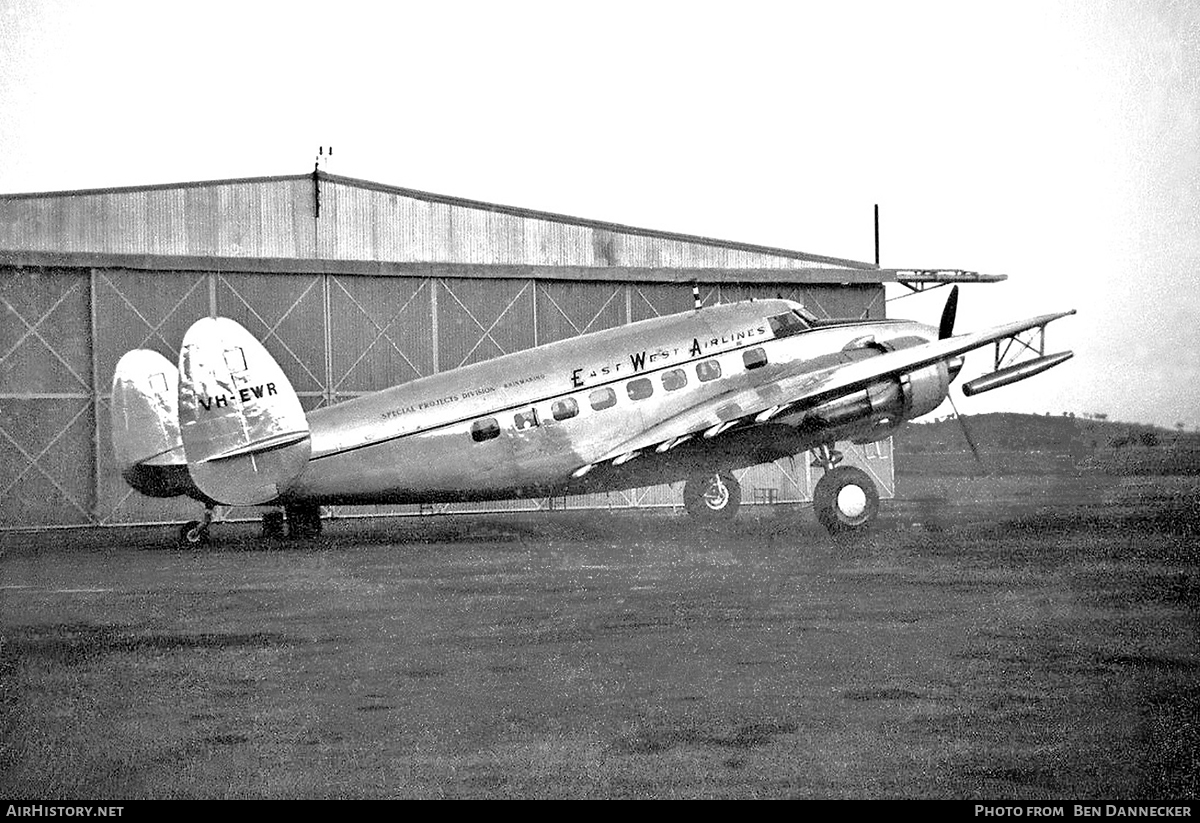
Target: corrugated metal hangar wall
352	286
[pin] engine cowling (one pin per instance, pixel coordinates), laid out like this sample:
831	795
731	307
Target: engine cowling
883	405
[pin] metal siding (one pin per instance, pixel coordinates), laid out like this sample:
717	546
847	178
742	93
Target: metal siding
46	416
355	216
273	217
45	346
295	205
482	319
144	310
381	332
46	452
570	309
201	219
655	300
287	314
241	223
166	230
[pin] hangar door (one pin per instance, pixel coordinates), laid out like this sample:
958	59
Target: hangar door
336	336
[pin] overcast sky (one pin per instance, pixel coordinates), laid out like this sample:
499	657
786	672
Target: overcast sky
1056	142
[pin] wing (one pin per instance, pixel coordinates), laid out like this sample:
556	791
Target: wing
799	387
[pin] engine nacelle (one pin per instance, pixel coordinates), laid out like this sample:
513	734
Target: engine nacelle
885	404
925	389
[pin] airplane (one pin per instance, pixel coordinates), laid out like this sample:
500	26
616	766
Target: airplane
687	397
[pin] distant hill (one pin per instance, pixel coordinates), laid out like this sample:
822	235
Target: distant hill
1034	444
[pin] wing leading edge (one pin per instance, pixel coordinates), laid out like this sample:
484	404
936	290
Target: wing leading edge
798	388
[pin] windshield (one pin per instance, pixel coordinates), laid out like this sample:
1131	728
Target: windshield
788	323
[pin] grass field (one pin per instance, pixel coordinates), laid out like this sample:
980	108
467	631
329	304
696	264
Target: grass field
993	637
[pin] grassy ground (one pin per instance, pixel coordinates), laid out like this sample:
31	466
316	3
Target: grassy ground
993	637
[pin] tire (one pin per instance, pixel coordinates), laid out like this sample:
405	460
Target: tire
304	522
845	500
710	501
193	534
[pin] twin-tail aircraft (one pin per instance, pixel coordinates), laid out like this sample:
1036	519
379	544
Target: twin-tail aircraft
688	397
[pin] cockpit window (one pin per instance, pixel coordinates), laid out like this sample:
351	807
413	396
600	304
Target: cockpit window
788	323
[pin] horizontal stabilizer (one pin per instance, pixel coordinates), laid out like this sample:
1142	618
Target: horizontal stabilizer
260	446
244	431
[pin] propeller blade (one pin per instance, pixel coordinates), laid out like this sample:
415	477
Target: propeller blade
946	327
966	432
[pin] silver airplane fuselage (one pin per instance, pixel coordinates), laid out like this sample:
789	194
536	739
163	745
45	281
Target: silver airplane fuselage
523	424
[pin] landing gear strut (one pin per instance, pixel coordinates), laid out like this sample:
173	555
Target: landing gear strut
712	496
303	521
195	532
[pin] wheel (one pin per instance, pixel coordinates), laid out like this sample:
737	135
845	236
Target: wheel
192	534
304	522
845	500
712	496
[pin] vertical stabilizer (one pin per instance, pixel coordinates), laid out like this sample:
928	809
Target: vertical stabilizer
145	425
244	431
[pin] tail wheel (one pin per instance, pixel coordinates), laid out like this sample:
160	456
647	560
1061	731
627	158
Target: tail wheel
193	533
845	500
714	496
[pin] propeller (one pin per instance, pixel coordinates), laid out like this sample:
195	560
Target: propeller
966	432
946	327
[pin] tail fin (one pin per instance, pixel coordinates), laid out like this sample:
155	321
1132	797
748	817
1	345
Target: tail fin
244	432
145	425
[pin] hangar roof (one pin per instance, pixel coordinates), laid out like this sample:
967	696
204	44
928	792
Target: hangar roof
326	222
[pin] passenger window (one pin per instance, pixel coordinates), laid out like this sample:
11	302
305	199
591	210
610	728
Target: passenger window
754	358
640	389
526	420
485	429
674	379
708	370
603	398
564	409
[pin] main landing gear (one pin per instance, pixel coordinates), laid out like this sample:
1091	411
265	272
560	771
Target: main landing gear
303	522
712	497
845	499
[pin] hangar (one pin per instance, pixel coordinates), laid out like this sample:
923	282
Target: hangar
352	286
